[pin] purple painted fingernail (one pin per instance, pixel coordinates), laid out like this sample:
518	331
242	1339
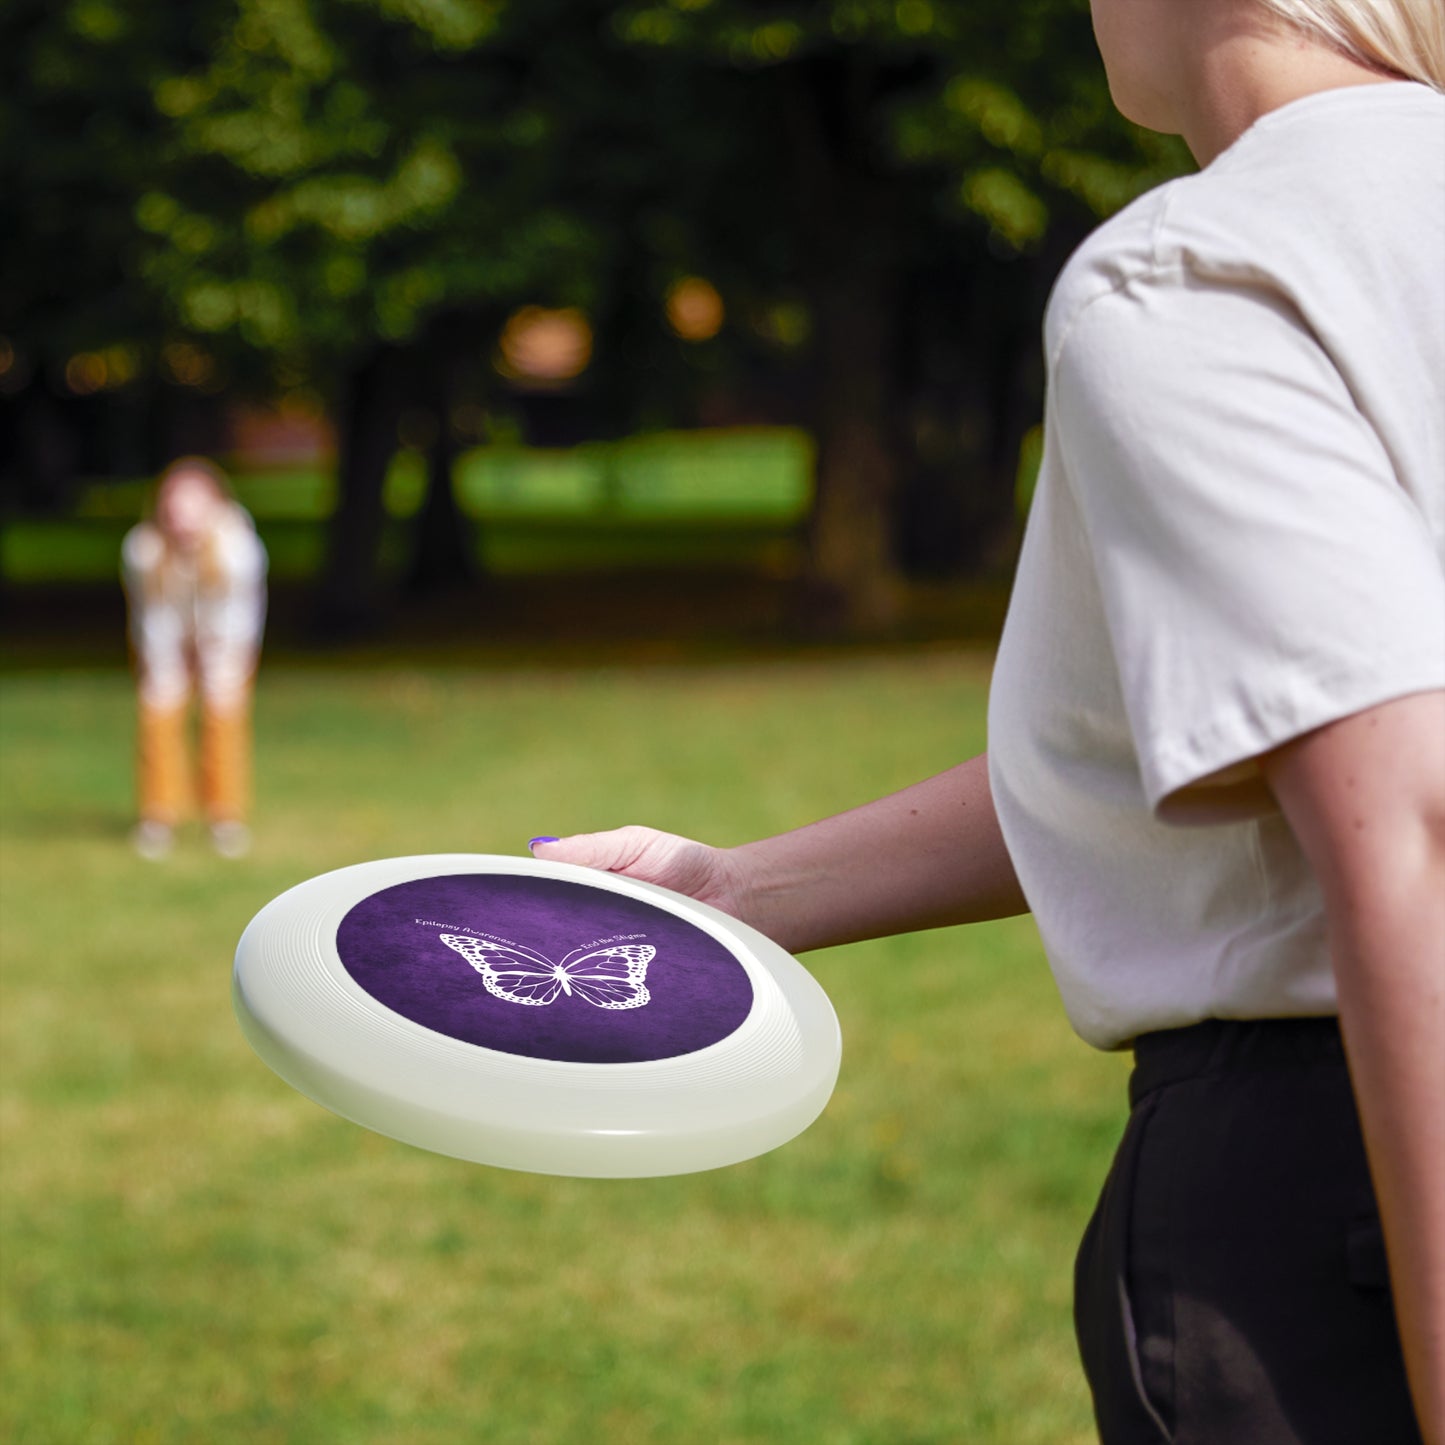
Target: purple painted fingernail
533	842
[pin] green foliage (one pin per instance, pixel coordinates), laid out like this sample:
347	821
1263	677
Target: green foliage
342	171
192	1251
299	178
79	140
1001	106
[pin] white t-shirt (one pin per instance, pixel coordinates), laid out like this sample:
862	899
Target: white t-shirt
1238	536
192	623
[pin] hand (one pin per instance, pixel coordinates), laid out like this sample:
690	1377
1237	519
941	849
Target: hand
711	875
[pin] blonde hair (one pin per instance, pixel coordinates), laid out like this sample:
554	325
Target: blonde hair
1404	37
192	466
210	571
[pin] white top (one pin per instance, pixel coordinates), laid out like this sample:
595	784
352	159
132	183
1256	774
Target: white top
196	619
1238	536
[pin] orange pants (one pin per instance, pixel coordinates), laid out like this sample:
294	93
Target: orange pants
163	762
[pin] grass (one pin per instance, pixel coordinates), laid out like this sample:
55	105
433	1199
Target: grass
732	497
193	1252
87	550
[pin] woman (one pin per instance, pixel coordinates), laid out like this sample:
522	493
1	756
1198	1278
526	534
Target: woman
1217	758
195	583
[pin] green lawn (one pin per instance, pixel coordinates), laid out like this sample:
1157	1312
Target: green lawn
193	1252
734	498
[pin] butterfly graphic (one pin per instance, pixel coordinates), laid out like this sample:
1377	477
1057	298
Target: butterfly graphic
610	978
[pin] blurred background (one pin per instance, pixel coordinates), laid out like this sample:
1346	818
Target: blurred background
639	403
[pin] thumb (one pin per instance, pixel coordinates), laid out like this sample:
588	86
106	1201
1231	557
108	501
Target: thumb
610	851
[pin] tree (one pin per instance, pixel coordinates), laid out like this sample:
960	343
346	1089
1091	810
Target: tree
352	195
358	182
79	139
908	143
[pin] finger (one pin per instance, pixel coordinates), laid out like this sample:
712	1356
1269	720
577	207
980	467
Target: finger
611	851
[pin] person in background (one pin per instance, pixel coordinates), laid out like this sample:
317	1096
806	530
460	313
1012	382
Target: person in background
195	583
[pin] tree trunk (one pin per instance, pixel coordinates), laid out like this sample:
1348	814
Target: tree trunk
349	601
852	570
974	387
851	264
442	557
46	450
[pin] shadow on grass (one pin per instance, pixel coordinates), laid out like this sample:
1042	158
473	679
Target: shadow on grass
565	621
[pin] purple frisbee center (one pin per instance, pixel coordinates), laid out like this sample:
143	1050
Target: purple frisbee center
544	968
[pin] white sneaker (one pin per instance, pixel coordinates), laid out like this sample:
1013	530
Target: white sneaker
152	840
231	839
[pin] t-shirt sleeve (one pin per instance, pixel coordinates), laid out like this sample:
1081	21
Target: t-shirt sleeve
1262	568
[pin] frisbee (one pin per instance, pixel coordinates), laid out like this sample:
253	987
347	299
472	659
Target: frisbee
536	1016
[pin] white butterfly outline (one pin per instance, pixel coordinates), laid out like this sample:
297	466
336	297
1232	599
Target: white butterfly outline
522	975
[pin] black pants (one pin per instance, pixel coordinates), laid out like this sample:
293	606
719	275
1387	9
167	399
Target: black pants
1231	1288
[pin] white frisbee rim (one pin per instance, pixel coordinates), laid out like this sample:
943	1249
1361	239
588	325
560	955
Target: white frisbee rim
316	1027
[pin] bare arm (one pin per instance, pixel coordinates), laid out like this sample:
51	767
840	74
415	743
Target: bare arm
1366	799
926	857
